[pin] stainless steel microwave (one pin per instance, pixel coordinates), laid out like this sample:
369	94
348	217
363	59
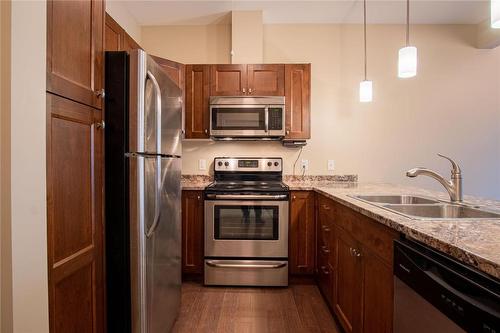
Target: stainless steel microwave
247	117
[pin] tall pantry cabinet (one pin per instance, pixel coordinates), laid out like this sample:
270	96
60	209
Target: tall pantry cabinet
75	45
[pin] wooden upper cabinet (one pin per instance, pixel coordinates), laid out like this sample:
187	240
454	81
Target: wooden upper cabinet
192	232
302	242
228	80
75	50
298	101
266	80
197	93
174	70
113	35
116	38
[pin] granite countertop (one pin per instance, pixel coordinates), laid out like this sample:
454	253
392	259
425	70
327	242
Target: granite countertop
474	242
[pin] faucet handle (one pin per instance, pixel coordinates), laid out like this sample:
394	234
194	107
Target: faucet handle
456	169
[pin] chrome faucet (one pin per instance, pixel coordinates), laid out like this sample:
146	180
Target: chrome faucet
453	186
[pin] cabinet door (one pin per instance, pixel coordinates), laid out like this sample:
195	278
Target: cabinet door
192	232
228	80
197	92
377	294
113	35
74	216
302	233
297	100
266	80
129	43
347	293
75	50
174	70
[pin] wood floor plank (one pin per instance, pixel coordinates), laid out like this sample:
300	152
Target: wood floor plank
298	308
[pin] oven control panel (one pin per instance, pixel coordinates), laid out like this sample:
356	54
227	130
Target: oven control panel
250	164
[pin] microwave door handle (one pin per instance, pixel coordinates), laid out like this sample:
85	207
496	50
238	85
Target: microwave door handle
266	119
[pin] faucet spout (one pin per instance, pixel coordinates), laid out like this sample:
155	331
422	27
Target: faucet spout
453	186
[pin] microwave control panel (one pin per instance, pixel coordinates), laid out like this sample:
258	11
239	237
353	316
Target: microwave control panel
275	118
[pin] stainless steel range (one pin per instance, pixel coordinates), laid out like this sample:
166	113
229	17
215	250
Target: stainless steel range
246	223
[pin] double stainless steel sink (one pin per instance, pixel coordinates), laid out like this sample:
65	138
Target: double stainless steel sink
422	208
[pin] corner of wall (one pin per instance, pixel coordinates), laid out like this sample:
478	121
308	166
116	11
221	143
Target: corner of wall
5	200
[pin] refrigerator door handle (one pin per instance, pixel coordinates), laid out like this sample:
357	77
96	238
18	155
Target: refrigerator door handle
156	220
158	110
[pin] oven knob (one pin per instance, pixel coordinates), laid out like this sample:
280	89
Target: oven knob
220	163
269	164
276	164
226	163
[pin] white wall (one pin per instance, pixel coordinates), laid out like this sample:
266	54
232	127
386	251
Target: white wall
120	14
451	107
25	297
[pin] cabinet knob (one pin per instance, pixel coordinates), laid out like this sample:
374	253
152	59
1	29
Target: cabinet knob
244	90
325	228
249	90
294	197
325	271
100	124
206	131
100	93
325	249
199	197
287	132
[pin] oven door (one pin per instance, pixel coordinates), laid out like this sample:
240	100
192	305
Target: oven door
246	228
238	120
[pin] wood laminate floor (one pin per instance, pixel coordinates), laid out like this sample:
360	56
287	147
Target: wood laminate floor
298	308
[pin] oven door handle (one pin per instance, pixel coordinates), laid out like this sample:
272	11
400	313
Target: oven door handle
251	266
246	196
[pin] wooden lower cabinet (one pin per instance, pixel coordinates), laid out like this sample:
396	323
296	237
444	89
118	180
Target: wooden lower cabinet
347	299
354	274
302	229
192	232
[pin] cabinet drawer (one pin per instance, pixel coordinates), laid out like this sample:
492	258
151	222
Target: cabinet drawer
374	237
325	280
326	207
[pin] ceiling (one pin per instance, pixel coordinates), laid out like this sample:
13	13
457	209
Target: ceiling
171	12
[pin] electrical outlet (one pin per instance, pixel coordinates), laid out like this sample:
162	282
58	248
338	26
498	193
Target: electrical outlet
202	165
305	164
331	165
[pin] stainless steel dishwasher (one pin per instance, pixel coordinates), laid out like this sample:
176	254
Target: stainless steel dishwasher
435	293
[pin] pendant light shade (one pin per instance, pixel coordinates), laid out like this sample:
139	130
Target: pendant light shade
495	14
407	60
365	86
365	91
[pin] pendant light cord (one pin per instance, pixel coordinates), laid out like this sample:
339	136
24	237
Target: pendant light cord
407	22
364	33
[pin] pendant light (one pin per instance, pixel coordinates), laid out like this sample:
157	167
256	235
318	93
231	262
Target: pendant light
365	86
407	62
495	14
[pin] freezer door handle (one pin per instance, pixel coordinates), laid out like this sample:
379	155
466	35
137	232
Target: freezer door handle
156	220
158	110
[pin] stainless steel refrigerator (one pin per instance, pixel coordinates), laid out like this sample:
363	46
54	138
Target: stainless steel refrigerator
143	119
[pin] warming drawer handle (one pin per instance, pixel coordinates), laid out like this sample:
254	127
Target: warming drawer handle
252	266
245	196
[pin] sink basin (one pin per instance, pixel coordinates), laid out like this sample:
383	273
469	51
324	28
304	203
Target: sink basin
396	199
443	211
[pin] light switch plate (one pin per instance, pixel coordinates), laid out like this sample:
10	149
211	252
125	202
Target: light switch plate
202	165
331	165
305	164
